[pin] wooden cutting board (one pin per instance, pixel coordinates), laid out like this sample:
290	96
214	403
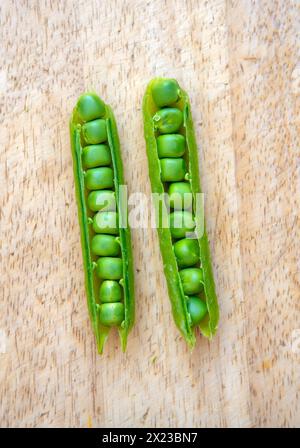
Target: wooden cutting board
239	61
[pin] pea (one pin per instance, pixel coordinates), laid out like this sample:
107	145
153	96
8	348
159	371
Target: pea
197	309
181	223
192	280
94	132
104	200
105	245
170	145
169	134
99	178
106	222
110	291
172	170
168	120
180	195
110	268
111	314
90	106
187	252
165	92
96	155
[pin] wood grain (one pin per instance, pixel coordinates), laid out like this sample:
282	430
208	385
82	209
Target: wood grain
239	60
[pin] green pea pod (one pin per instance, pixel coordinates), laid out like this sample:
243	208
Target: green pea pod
159	90
90	110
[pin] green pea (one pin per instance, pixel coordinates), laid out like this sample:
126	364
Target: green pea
96	155
172	170
165	92
180	195
90	106
104	200
106	222
94	132
99	178
170	145
105	245
168	120
111	314
110	268
197	309
110	291
192	280
187	252
181	223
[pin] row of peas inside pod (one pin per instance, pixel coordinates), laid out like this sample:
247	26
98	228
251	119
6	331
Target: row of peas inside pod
171	148
102	205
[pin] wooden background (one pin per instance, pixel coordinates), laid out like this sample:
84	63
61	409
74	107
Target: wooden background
239	61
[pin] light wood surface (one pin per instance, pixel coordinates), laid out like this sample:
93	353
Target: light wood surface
239	61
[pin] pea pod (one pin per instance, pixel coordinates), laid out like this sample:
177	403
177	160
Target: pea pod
98	175
187	267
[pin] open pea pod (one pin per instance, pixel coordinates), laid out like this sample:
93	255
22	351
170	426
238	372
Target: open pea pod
173	170
102	213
